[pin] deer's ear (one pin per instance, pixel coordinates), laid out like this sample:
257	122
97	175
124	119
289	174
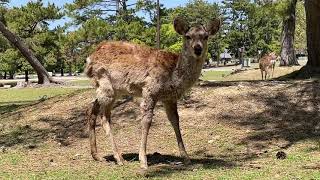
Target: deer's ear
213	26
181	26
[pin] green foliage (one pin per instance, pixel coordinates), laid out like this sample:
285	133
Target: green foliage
255	26
31	23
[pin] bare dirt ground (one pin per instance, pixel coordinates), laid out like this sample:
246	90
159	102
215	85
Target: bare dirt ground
228	125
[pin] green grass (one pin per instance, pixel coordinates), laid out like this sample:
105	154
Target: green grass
25	95
214	75
12	99
12	159
80	83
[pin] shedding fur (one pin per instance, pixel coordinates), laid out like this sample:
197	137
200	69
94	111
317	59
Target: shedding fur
123	68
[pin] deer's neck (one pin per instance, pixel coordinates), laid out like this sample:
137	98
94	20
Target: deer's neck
187	71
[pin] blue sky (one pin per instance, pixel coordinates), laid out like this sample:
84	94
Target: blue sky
60	3
167	3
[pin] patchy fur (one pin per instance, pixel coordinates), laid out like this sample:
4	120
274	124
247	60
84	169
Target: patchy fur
122	68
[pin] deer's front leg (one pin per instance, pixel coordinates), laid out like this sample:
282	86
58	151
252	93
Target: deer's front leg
173	116
147	107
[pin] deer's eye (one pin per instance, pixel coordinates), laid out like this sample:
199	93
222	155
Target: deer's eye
188	37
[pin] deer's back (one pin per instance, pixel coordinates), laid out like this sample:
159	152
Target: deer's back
129	64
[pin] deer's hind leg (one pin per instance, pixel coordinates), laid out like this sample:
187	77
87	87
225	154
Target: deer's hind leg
106	98
107	126
92	114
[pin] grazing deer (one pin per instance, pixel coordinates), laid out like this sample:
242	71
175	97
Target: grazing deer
122	68
266	64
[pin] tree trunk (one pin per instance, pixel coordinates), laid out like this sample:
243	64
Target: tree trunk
26	73
11	74
313	32
70	68
43	75
158	24
287	45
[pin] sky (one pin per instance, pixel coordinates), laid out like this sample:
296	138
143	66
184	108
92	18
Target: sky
60	3
167	3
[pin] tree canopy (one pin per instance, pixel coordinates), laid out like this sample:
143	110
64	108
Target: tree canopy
254	25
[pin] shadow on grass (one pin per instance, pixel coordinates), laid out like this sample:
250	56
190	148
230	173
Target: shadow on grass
253	83
24	135
290	114
162	165
306	72
61	129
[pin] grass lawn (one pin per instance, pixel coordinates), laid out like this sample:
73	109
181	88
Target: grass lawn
80	82
25	95
11	99
215	75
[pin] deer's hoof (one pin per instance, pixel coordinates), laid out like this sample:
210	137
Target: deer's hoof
97	158
144	166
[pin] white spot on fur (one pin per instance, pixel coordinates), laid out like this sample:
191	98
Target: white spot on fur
88	60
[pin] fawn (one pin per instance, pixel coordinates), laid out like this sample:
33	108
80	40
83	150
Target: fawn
122	68
266	64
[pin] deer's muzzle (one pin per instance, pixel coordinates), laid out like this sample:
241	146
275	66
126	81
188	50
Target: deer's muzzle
198	50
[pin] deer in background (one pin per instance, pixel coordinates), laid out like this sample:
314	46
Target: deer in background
266	64
122	68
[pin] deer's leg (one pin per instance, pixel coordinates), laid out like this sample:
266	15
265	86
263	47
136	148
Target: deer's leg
273	65
92	114
173	116
106	97
147	107
261	73
266	73
107	126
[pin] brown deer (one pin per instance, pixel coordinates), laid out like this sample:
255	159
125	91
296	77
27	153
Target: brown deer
122	68
266	64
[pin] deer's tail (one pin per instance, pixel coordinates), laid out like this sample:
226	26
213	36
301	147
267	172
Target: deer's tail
89	68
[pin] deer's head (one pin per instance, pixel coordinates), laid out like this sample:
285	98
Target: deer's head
274	56
195	38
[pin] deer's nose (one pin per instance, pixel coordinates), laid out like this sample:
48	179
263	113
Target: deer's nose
197	50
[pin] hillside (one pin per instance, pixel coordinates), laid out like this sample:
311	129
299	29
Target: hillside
231	130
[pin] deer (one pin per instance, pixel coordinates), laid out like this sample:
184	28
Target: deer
266	64
119	68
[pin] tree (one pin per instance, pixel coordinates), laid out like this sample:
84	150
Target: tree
30	23
300	34
158	24
313	33
43	75
288	31
248	26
